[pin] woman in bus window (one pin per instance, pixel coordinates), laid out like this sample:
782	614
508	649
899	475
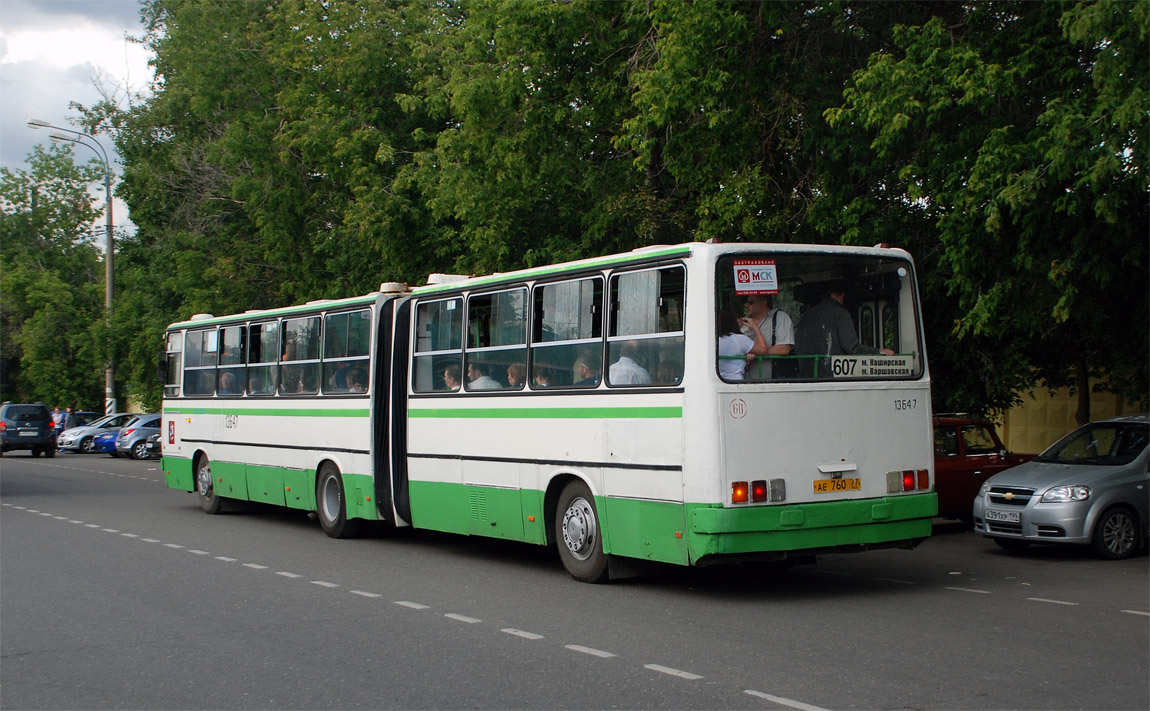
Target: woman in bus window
734	347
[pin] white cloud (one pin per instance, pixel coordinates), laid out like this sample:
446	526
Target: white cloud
55	52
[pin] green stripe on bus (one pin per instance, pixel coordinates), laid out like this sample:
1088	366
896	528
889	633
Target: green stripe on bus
537	272
560	413
269	412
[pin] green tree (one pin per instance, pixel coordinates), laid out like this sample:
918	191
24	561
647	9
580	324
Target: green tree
51	278
1019	134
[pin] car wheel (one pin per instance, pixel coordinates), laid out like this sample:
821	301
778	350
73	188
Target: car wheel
50	452
88	445
331	504
140	449
1012	544
578	535
35	451
1116	534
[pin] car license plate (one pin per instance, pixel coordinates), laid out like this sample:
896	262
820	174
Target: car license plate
1006	516
826	486
27	433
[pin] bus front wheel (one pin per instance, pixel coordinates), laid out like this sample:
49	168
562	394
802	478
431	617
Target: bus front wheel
578	534
331	504
205	487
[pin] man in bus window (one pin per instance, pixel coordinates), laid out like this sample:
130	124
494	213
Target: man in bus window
776	327
478	379
587	368
826	329
452	375
626	370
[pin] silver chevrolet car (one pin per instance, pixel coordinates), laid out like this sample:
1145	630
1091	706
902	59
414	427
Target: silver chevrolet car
1092	487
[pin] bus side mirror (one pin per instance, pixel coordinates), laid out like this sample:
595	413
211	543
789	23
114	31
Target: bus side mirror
162	369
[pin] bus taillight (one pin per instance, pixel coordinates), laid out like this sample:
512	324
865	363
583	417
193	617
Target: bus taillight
739	492
759	490
908	480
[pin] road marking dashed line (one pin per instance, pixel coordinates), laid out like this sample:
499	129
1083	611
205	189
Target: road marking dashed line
589	650
673	672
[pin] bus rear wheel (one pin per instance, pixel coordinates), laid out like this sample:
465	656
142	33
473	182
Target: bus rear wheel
331	504
578	534
205	487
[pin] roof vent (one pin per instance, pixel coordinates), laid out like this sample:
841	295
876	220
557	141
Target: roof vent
392	287
446	278
201	317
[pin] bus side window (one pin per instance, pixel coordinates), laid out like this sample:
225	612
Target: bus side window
496	339
645	337
438	345
233	374
567	330
263	353
174	355
200	363
346	339
299	365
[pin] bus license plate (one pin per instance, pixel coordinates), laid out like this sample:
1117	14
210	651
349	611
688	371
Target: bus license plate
1007	516
826	486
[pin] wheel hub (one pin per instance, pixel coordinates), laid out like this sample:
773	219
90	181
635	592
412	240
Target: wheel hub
579	529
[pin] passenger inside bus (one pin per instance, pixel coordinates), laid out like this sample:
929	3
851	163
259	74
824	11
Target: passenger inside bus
452	376
587	369
827	329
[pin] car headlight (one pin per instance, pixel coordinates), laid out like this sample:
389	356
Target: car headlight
1062	494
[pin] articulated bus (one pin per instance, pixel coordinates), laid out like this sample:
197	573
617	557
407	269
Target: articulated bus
578	405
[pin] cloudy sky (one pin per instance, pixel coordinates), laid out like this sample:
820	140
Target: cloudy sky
53	52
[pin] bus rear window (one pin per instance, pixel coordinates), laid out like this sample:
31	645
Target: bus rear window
822	317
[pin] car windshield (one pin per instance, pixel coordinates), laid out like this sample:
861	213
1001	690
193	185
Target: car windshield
100	422
1109	443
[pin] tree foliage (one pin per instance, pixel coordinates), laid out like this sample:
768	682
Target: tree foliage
301	150
52	279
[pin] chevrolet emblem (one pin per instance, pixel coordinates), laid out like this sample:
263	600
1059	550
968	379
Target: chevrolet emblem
1009	496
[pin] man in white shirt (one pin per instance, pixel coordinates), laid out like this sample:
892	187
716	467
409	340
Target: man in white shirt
478	379
626	371
777	329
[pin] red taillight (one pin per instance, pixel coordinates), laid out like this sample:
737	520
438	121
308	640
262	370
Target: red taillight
739	492
51	425
923	479
758	490
3	426
125	433
908	481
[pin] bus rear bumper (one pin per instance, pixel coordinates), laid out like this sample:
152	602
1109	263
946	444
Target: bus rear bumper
777	532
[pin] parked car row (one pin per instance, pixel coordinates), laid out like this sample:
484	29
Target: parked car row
30	426
1090	488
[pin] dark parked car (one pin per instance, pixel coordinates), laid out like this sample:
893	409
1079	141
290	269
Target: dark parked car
133	439
155	447
967	452
1089	488
27	426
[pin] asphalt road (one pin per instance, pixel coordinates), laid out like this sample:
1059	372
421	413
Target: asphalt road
116	593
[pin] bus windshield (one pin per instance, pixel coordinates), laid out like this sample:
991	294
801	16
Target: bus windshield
822	316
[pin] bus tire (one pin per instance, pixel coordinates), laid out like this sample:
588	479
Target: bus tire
578	534
205	486
331	503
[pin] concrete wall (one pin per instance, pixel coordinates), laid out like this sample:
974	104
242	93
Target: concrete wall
1042	418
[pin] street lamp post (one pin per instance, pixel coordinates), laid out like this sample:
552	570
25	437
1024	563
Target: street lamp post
109	244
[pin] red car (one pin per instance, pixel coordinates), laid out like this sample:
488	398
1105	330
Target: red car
967	451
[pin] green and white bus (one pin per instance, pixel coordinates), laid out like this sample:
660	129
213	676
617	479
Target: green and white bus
579	404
